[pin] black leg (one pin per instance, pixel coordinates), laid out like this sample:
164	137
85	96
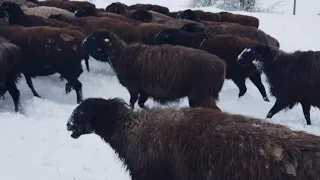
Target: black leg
240	82
61	78
256	80
86	60
142	99
15	93
30	84
277	107
306	111
76	84
134	94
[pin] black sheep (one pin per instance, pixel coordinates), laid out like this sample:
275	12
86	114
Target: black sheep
197	143
293	77
46	51
150	7
10	64
227	47
166	73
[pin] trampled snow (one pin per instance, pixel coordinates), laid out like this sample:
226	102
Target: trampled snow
36	145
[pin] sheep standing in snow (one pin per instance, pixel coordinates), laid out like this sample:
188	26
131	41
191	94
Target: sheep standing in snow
293	77
197	143
227	47
166	73
10	62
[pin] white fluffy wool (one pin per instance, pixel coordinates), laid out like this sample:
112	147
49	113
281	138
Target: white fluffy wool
46	11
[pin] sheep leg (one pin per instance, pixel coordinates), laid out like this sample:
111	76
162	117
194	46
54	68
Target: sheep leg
15	94
306	111
30	84
142	99
240	82
86	60
61	78
277	107
76	84
256	80
134	94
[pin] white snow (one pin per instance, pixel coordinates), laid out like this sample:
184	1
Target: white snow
36	146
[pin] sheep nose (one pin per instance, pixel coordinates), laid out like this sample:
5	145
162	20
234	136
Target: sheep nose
69	126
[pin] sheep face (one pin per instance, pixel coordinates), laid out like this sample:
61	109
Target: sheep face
192	27
80	121
254	56
168	36
10	9
187	14
97	45
142	15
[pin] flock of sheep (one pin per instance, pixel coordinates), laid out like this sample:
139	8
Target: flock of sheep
167	56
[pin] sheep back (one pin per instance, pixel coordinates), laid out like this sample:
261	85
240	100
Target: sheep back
45	11
241	19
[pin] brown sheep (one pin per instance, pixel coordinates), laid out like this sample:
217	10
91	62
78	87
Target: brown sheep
199	15
244	20
197	143
166	73
150	7
17	17
90	24
49	50
234	29
227	47
120	8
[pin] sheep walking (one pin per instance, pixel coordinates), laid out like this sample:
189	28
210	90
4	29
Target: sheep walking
166	73
293	77
197	143
10	61
227	47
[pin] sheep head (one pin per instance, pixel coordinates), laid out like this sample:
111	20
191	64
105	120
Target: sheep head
117	8
193	27
97	44
188	14
142	15
254	56
11	10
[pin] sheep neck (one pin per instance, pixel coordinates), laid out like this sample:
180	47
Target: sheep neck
114	53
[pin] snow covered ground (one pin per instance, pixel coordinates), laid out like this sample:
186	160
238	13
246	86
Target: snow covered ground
36	146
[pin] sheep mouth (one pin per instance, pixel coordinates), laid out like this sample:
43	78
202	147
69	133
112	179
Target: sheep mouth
75	135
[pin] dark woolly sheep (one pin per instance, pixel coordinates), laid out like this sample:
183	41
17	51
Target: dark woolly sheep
46	51
199	15
244	20
197	143
16	16
141	14
89	24
146	32
98	13
166	73
227	47
234	29
293	77
150	7
10	62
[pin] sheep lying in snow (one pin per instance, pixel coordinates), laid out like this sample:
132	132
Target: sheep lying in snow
197	143
45	11
293	77
10	61
166	73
